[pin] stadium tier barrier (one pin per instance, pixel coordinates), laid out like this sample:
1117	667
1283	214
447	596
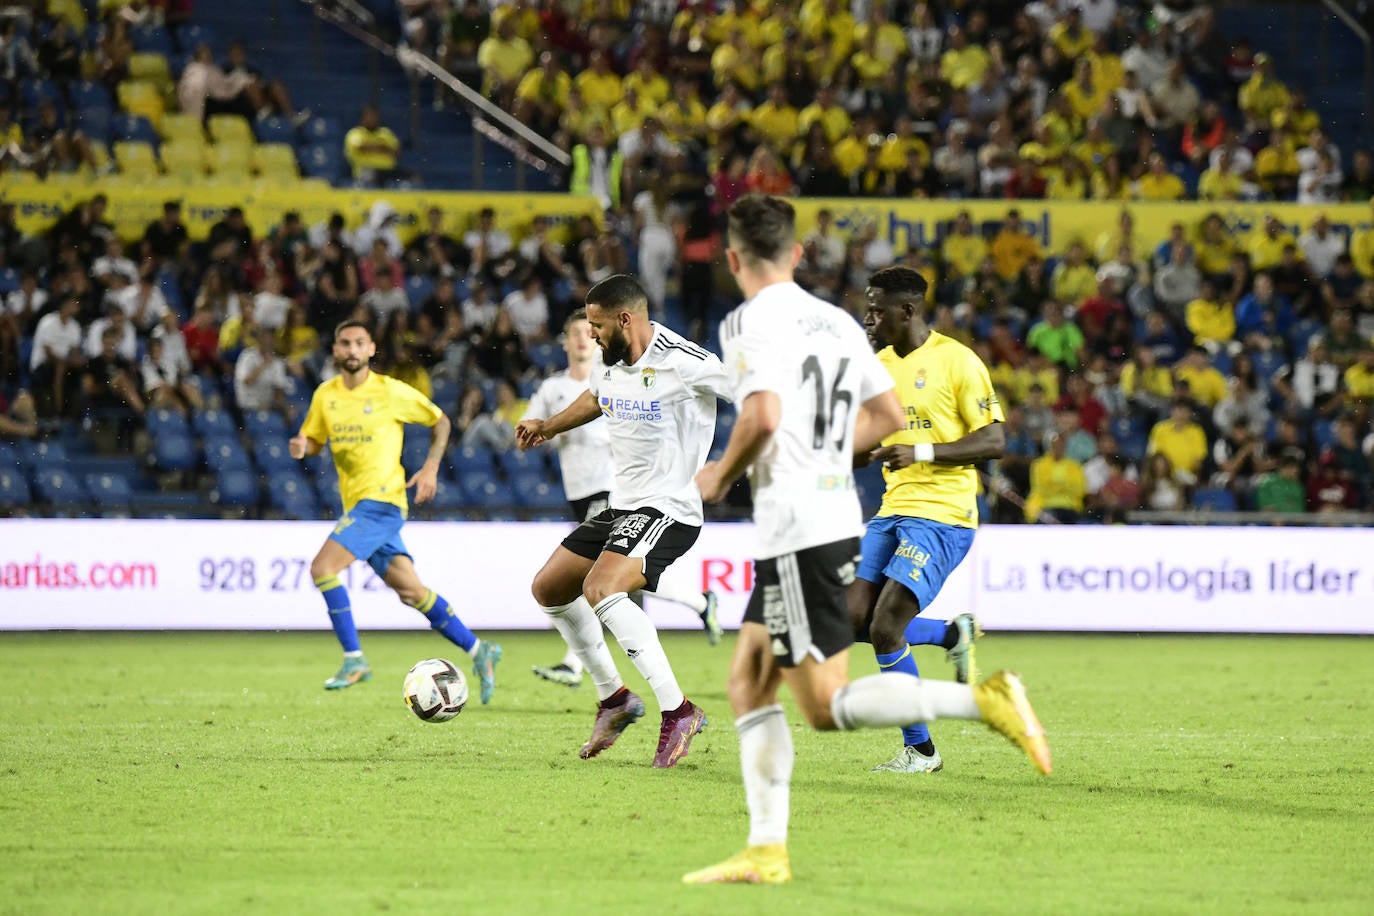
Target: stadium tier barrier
1054	224
188	575
132	207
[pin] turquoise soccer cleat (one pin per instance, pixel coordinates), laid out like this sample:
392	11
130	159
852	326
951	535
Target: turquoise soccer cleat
484	666
354	669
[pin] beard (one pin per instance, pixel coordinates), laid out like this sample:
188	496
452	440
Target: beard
349	364
616	348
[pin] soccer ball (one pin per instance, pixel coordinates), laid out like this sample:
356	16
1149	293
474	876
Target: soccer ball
435	690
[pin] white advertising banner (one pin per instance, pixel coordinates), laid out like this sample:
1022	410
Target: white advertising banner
107	574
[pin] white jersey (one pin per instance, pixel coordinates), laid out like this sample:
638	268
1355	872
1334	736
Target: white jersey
584	454
817	360
661	414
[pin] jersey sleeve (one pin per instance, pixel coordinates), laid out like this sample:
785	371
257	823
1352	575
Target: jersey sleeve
750	365
541	404
410	406
707	377
978	403
314	426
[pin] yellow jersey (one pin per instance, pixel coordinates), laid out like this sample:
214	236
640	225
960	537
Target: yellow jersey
946	394
1185	447
1057	483
363	427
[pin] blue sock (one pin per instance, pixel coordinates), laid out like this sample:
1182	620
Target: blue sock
923	632
340	612
442	618
904	662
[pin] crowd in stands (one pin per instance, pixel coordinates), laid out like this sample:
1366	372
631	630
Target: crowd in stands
1203	369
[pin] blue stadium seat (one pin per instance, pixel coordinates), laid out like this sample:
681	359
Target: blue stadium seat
492	494
174	452
527	387
447	495
547	356
471	458
321	161
133	129
1126	426
236	488
1300	333
275	129
194	34
1214	499
1266	363
292	493
273	457
321	129
413	453
213	422
540	495
516	463
1221	361
9	457
58	487
1323	434
89	94
223	453
163	422
14	489
488	387
444	392
35	455
264	424
418	289
96	122
1132	447
9	280
151	38
473	480
109	491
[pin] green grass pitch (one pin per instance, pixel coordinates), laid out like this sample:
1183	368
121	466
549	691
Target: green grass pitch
210	773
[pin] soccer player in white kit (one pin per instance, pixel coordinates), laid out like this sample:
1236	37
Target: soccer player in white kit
584	464
810	393
657	392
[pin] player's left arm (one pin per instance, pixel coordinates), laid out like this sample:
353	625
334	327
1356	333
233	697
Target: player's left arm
426	480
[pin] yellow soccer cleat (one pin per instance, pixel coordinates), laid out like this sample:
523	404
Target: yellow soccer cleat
1002	701
756	865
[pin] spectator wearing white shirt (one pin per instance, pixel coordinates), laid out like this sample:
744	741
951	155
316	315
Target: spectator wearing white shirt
657	247
142	303
479	311
270	306
25	304
1321	247
1242	160
383	299
167	380
925	37
126	340
528	308
57	359
1175	98
1149	61
260	379
487	245
381	224
1097	15
1317	143
113	262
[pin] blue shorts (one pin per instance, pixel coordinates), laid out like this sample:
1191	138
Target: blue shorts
918	553
371	531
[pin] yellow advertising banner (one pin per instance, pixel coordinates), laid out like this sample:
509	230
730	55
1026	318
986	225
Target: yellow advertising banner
1055	224
133	205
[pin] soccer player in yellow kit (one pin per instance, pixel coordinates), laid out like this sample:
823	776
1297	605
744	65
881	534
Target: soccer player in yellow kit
929	512
361	415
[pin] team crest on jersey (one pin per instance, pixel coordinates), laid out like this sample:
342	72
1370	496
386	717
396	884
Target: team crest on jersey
647	377
920	378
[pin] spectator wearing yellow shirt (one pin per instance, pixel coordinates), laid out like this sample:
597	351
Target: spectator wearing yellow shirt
683	116
599	84
1359	380
371	149
1262	95
1036	372
1145	383
1083	92
1265	247
962	251
1074	279
889	40
542	95
832	117
652	87
730	112
1159	183
1296	116
821	20
1110	182
1214	247
1069	37
1068	182
504	58
1362	250
869	67
736	61
1108	71
900	143
1062	126
963	64
1210	319
1219	181
1058	486
1012	247
523	19
1094	149
776	122
851	152
1205	384
1181	440
630	112
1277	166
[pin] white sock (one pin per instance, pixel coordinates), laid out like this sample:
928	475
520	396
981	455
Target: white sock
765	756
897	699
571	661
636	634
472	650
680	595
582	632
355	654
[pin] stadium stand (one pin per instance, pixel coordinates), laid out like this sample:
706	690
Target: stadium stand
977	107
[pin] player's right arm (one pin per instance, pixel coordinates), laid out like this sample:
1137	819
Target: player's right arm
758	419
879	417
314	432
532	430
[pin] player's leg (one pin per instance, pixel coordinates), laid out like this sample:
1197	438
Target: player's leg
703	604
333	559
766	756
557	587
395	566
568	671
640	546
